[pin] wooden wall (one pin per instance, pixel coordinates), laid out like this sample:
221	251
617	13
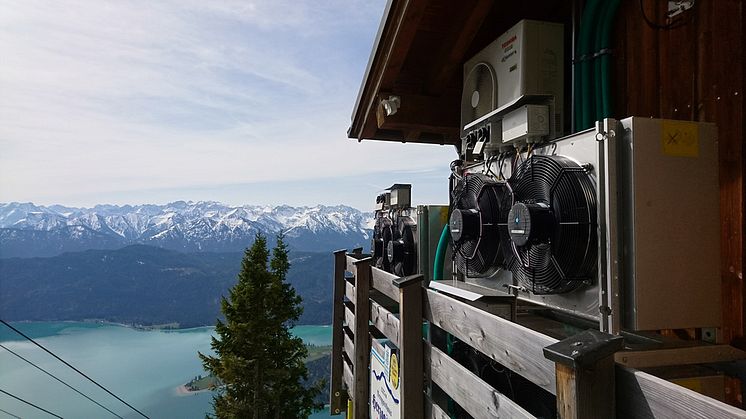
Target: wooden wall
695	72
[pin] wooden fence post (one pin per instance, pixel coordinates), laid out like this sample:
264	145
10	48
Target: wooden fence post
585	374
362	339
410	346
337	396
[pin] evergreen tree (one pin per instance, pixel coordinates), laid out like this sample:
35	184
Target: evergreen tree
260	363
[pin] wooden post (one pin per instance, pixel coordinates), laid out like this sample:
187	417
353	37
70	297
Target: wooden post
410	345
337	396
361	361
585	374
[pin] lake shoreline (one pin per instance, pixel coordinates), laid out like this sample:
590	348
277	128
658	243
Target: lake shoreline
155	327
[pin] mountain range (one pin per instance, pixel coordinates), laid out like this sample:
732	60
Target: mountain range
145	285
28	230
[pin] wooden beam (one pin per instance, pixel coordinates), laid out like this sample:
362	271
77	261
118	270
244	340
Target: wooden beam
423	113
512	345
451	55
349	346
384	282
349	291
337	396
392	46
679	356
475	396
585	374
361	361
385	321
349	317
723	102
348	379
641	395
433	411
351	259
410	349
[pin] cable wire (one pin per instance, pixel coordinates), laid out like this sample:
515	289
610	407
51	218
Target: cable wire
73	368
58	379
10	414
30	404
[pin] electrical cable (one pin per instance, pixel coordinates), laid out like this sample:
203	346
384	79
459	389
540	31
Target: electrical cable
30	404
58	379
73	368
10	414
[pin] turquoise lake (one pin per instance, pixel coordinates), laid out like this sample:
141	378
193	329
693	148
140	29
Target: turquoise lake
144	368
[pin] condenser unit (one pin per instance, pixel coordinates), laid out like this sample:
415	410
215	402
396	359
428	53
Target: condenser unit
618	225
394	243
524	65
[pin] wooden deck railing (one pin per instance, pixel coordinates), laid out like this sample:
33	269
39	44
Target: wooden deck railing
580	371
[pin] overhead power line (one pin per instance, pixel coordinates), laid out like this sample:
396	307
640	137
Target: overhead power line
73	368
30	404
58	379
10	414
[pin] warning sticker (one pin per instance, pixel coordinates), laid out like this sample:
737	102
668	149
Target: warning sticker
680	138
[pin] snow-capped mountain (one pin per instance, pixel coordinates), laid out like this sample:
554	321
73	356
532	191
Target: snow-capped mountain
33	230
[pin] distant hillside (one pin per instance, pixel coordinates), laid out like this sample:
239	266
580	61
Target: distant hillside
145	285
28	230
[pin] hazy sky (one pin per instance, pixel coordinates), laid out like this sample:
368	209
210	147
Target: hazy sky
155	101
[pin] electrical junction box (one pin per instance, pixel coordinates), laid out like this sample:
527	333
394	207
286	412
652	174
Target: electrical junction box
529	123
527	60
401	195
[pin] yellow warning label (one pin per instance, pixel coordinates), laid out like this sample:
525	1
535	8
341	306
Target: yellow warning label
394	371
680	138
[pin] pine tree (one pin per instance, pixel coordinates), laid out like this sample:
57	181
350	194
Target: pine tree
260	363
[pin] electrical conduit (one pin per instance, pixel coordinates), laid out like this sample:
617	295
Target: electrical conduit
603	58
585	111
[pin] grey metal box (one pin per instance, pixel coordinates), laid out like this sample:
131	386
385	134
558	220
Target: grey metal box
670	219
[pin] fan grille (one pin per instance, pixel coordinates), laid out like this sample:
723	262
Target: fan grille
481	81
382	235
562	263
482	254
405	256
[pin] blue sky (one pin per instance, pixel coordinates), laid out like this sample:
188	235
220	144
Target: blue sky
240	102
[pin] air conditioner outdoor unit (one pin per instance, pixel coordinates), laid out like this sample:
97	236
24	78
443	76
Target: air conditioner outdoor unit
618	225
523	66
394	243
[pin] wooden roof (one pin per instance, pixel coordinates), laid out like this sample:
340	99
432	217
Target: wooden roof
419	54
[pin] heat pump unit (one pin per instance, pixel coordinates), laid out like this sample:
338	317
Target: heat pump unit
394	243
524	65
618	225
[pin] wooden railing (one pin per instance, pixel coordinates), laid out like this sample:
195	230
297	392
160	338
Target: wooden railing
580	371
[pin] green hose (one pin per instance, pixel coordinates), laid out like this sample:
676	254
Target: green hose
599	44
584	112
440	254
605	60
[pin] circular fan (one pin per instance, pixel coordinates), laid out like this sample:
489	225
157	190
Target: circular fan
478	219
478	97
401	252
552	225
381	237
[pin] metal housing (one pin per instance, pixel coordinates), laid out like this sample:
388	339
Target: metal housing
658	226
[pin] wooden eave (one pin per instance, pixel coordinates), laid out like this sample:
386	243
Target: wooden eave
418	55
